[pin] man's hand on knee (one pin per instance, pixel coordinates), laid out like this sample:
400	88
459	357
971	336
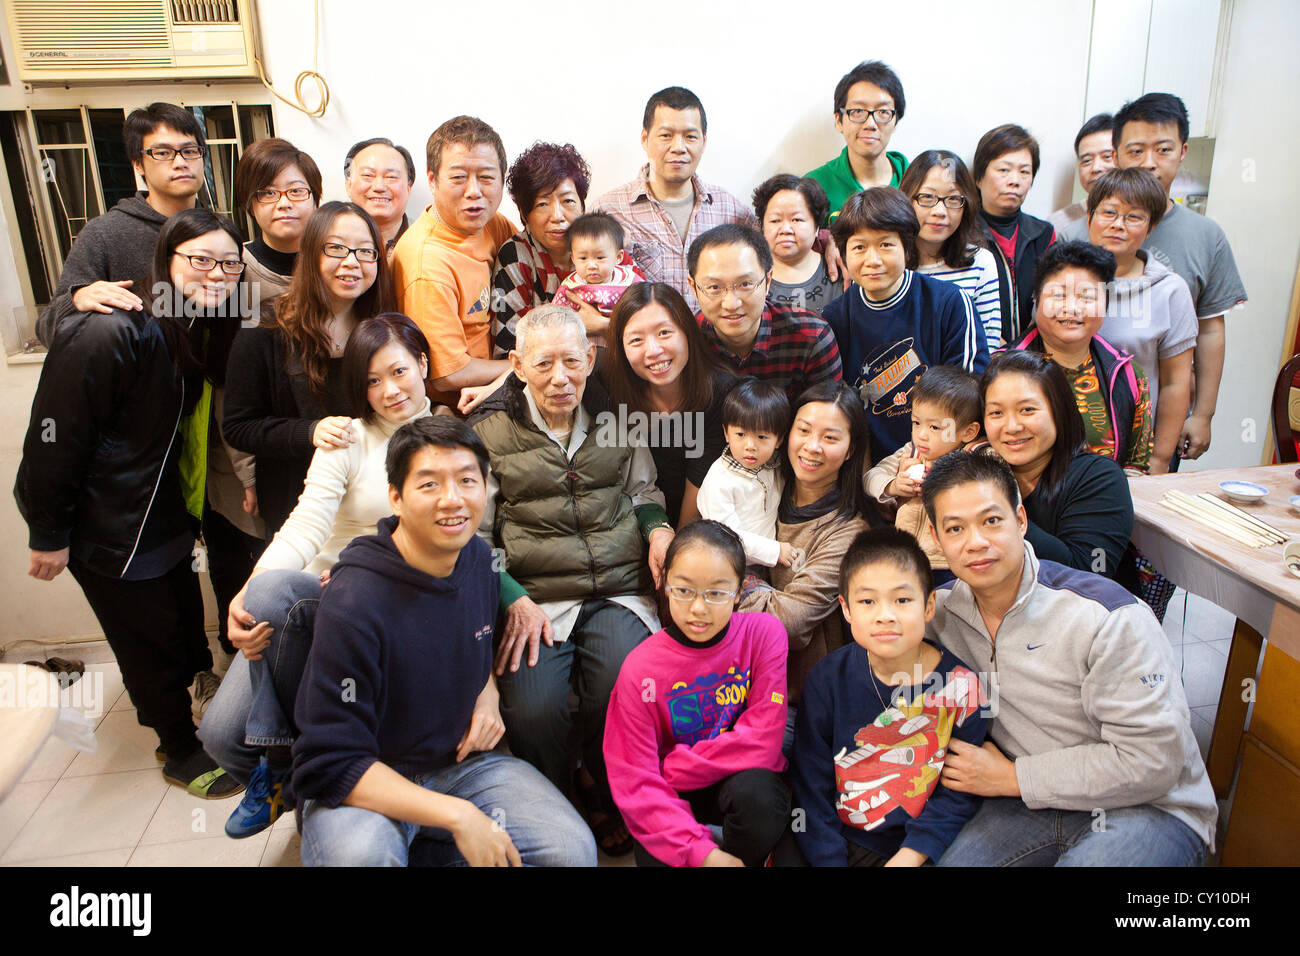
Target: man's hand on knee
527	625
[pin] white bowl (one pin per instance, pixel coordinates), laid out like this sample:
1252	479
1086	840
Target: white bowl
1294	502
1243	491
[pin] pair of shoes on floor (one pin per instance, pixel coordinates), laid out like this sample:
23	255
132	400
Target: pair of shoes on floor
69	671
199	775
202	691
263	802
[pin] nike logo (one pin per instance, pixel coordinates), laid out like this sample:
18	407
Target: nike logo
1032	647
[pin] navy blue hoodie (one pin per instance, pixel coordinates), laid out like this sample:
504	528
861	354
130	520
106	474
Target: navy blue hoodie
398	659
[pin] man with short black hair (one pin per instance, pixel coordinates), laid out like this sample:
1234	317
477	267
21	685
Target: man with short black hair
112	254
667	206
1091	761
731	274
442	266
868	106
1094	151
378	176
398	709
1151	133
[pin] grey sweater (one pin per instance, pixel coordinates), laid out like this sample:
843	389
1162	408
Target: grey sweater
117	245
1089	702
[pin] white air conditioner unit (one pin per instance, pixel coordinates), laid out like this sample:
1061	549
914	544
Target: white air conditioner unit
79	41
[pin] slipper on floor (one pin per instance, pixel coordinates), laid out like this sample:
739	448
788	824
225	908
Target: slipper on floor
69	671
200	776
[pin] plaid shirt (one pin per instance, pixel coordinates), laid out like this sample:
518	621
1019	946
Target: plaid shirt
652	238
794	348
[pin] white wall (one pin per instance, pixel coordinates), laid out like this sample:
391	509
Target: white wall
765	72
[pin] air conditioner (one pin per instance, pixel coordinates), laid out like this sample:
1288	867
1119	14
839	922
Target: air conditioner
79	41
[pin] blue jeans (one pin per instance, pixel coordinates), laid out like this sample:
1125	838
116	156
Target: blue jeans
1004	832
254	704
535	700
544	828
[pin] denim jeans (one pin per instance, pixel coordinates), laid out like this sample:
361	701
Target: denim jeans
254	705
544	828
535	700
1004	832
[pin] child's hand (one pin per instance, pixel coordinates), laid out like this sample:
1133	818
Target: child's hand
905	485
720	857
788	552
907	857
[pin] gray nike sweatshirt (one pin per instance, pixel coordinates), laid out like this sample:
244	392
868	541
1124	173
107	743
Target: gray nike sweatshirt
117	245
1089	703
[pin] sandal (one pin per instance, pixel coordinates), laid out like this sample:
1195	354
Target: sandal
69	671
200	776
604	818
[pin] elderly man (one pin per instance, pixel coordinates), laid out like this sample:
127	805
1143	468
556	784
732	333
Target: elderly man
378	176
574	517
1091	760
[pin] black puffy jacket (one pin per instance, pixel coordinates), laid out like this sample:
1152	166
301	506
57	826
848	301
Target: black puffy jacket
99	457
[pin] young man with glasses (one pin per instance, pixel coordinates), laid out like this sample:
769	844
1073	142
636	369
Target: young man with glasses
731	274
442	266
1151	134
869	104
113	252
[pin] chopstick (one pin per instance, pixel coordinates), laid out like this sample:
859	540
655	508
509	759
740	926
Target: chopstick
1239	527
1237	512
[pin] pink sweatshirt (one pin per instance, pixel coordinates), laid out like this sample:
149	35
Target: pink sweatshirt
686	717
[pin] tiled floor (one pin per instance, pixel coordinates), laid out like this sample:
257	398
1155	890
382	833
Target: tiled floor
113	808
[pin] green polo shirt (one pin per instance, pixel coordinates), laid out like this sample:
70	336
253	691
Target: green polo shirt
837	178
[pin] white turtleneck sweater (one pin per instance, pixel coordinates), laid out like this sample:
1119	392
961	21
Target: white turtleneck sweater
345	495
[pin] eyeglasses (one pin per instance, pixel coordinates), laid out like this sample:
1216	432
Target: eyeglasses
231	267
856	114
712	596
930	199
270	194
336	250
742	289
166	154
1134	220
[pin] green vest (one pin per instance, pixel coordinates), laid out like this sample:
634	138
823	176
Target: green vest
568	528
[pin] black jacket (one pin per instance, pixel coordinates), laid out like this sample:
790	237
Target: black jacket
101	451
272	413
1032	240
1088	522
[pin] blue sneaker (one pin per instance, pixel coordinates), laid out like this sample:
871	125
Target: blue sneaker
262	804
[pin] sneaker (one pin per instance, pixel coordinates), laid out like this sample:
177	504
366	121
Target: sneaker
202	691
262	803
199	774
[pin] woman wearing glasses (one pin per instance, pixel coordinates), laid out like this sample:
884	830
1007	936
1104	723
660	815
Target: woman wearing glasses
285	395
112	479
949	245
279	186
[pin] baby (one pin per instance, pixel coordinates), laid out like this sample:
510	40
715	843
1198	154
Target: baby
946	414
598	277
743	487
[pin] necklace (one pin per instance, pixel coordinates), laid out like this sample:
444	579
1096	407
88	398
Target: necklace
875	681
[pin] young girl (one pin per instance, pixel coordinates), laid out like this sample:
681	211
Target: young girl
743	487
696	718
346	493
107	494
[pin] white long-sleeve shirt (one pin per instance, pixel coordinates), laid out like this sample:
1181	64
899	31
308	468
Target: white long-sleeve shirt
745	501
344	496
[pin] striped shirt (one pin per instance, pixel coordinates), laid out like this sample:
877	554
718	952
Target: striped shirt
794	348
650	235
979	281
